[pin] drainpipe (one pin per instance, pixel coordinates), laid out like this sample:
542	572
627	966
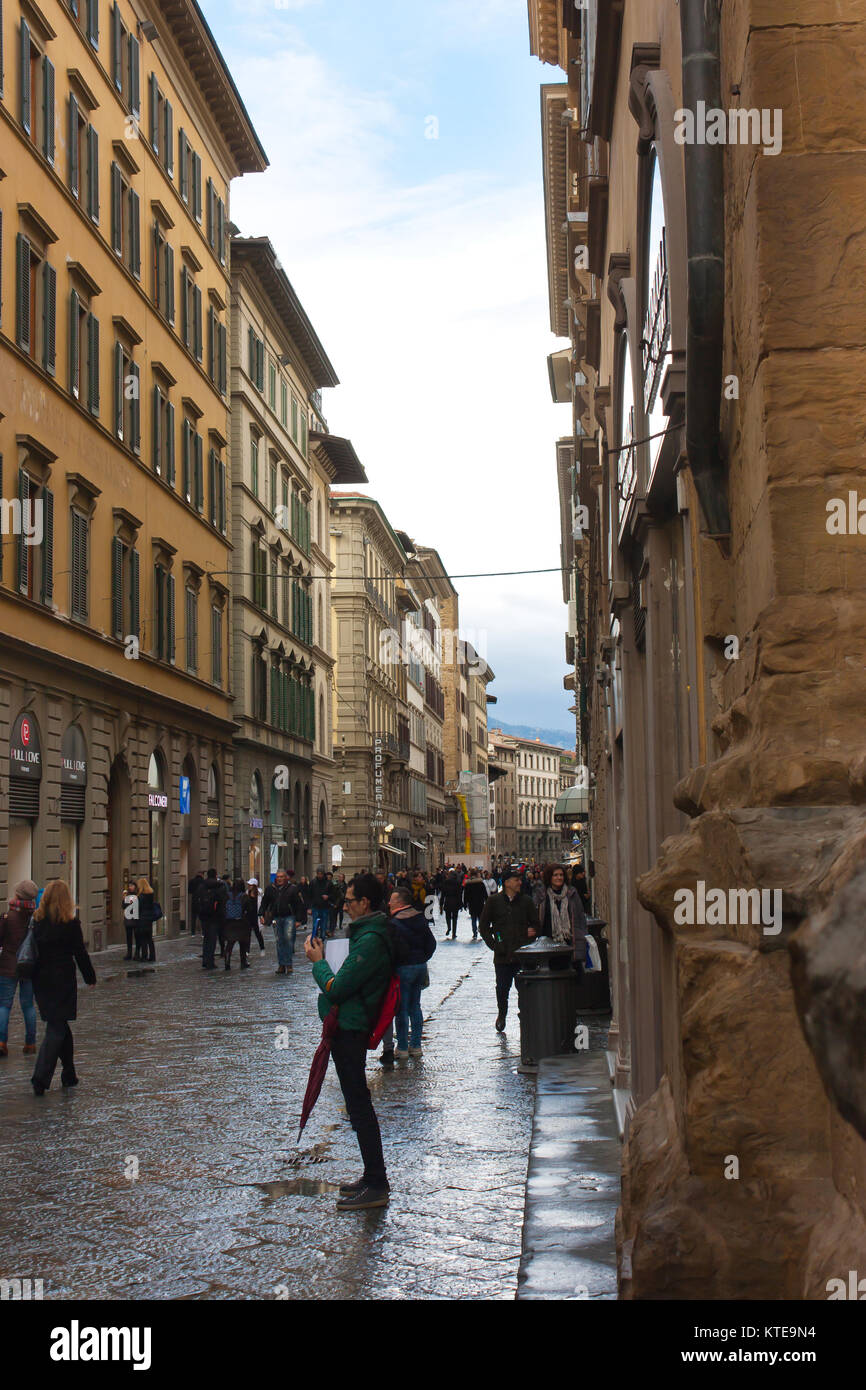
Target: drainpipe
705	244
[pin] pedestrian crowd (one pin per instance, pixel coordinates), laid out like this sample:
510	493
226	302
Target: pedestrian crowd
374	993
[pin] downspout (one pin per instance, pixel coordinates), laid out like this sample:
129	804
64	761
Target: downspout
705	249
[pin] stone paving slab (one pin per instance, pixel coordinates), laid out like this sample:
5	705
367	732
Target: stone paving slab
573	1184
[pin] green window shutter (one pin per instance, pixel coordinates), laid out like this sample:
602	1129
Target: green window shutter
22	300
134	591
168	122
135	408
134	76
199	475
116	56
74	170
79	566
170	606
116	209
169	444
216	646
252	348
184	306
196	186
48	109
221	470
24	76
93	22
186	460
211	482
183	186
221	230
135	233
158	612
196	323
159	298
157	455
260	365
223	379
49	317
168	252
211	343
211	220
92	174
23	550
118	390
116	587
153	129
93	364
47	546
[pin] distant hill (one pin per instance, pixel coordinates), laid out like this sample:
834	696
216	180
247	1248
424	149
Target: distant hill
559	738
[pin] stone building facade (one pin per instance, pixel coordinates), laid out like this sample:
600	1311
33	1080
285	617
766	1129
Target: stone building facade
718	612
122	133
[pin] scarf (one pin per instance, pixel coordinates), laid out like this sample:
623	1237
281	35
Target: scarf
560	922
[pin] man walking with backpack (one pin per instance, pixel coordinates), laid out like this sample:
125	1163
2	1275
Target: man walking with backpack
209	905
357	990
509	921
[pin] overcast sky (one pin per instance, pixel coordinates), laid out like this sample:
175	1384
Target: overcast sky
421	262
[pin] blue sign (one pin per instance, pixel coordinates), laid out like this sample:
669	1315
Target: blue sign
184	796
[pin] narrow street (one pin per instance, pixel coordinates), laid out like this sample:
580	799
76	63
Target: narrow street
182	1071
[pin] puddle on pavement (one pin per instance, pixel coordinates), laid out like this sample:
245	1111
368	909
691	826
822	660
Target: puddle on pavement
296	1187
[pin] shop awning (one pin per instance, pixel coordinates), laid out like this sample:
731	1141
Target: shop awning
392	849
572	804
417	844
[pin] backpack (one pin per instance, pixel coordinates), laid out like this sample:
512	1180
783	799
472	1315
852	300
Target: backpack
234	907
400	948
206	900
387	1010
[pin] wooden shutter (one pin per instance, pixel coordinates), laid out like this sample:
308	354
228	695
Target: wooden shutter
186	462
116	209
48	109
221	231
47	546
93	22
252	347
182	166
134	589
22	275
199	475
170	597
211	480
24	75
74	170
222	495
92	174
169	280
211	344
169	444
153	129
196	323
49	317
222	358
159	624
168	118
260	364
118	390
79	565
196	186
116	587
211	220
93	364
135	408
184	306
157	458
135	233
116	56
134	76
74	347
216	632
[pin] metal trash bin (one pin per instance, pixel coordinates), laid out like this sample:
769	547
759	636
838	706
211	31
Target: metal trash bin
547	994
594	991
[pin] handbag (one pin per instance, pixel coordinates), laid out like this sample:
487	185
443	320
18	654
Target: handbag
157	912
593	955
425	979
28	956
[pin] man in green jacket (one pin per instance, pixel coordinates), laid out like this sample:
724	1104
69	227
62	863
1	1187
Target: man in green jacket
357	990
509	921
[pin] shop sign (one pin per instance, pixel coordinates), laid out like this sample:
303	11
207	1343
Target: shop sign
157	801
256	823
213	822
25	750
184	796
73	758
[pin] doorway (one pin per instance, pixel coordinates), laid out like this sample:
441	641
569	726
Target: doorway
117	855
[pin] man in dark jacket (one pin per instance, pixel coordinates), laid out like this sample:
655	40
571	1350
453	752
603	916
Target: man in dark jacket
509	921
192	888
209	905
13	929
281	907
320	889
452	901
474	899
357	990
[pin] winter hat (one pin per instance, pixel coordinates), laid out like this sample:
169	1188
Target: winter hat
26	891
252	881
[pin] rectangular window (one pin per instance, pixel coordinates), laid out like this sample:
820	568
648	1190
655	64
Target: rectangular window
79	566
124	590
161	125
216	646
163	436
36	304
191	621
125	221
127	402
35	577
196	186
164	618
295	418
198	474
272	383
254	465
284	402
272	503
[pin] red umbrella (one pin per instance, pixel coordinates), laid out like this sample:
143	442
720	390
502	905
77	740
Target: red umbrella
318	1068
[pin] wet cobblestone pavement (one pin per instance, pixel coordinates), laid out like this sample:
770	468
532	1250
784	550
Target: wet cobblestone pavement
183	1081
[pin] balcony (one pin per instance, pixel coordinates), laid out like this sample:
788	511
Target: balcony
397	747
378	602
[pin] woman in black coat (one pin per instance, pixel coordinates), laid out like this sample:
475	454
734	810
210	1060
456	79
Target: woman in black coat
144	947
60	946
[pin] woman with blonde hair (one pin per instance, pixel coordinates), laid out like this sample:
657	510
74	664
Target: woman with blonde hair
149	912
60	946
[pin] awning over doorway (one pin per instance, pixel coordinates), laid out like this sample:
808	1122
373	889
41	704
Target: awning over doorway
572	804
392	849
417	844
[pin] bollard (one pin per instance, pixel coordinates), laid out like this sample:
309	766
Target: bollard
547	993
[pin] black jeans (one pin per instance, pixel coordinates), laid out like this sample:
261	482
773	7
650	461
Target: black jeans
56	1043
130	936
349	1051
144	945
475	914
451	915
505	976
210	926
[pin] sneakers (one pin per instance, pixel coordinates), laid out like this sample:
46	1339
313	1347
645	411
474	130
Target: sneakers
280	970
401	1052
364	1199
500	1023
415	1052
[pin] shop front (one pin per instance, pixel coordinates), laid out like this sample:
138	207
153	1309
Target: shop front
157	806
73	807
25	778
